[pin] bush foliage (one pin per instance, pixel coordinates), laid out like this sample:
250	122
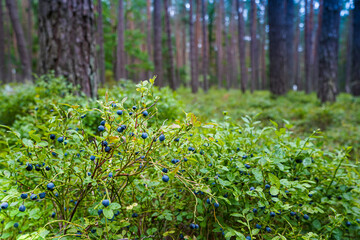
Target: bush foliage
134	165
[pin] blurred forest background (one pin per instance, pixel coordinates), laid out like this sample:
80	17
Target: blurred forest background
276	45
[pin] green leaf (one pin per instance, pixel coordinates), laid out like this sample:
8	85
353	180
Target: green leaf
44	233
258	174
274	180
108	213
114	206
274	190
28	143
317	224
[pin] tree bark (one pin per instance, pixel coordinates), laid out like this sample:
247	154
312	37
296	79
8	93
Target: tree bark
328	51
20	39
263	50
172	80
29	31
349	42
297	78
204	46
241	43
290	42
355	68
219	42
277	43
194	79
101	53
67	42
120	50
148	33
315	57
309	13
253	46
3	65
157	43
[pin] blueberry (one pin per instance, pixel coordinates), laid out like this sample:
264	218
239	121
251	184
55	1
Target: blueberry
102	123
110	175
177	139
145	113
165	170
208	201
107	149
23	195
247	166
185	159
37	167
93	230
268	229
348	223
33	196
100	211
254	210
53	215
216	205
83	116
134	215
306	217
130	113
248	238
244	157
29	166
192	226
42	195
144	135
258	226
54	154
162	138
92	158
60	139
272	214
116	213
292	213
16	225
252	188
267	186
106	202
119	112
47	168
310	195
134	107
50	186
22	208
165	178
101	128
4	205
52	136
196	226
56	194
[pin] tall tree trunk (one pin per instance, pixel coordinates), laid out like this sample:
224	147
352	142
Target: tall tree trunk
309	13
277	43
101	53
3	69
67	42
148	33
157	43
29	31
197	38
233	57
297	78
20	39
253	45
355	68
263	49
349	42
290	42
120	50
315	54
194	79
204	46
170	48
328	51
241	43
219	42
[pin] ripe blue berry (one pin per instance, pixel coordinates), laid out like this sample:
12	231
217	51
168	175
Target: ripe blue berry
101	128
92	157
107	149
60	139
272	214
42	195
144	135
23	195
165	170
106	202
162	138
306	217
52	136
268	229
89	173
208	201
348	223
119	112
254	210
53	214
47	168
292	213
247	166
50	186
165	178
252	188
102	122
110	175
22	208
134	215
192	226
267	186
4	205
216	205
29	166
16	225
33	196
100	211
145	113
177	139
248	238
134	107
258	226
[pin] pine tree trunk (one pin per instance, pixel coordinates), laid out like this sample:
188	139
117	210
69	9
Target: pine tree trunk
355	68
204	46
20	39
253	46
290	42
315	57
120	50
194	79
197	38
101	53
219	42
277	44
263	49
297	78
148	33
172	80
67	42
3	69
328	51
309	12
157	43
242	46
29	31
349	52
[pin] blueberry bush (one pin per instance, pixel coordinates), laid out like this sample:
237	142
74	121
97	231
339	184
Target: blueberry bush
117	168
